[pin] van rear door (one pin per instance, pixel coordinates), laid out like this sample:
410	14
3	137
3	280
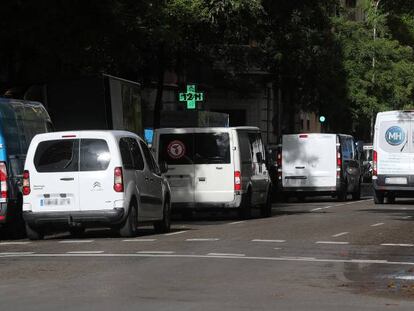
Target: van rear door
56	185
177	150
96	178
214	169
309	160
394	146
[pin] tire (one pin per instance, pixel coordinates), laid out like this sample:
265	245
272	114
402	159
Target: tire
391	198
34	233
164	225
129	228
301	198
342	193
245	211
378	197
357	194
77	231
266	208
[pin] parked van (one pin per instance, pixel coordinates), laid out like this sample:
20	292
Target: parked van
215	167
19	121
393	158
319	164
84	179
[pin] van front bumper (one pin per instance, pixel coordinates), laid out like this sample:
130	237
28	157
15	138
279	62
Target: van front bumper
81	218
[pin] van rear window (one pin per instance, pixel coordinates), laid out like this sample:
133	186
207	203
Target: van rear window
57	156
63	155
197	148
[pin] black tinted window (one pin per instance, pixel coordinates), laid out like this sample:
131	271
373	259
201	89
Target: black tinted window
136	155
57	156
94	155
149	159
211	148
176	149
126	154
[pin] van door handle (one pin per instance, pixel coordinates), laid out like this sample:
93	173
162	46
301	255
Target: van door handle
300	167
201	178
219	167
68	179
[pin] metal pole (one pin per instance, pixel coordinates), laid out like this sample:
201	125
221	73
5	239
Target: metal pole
376	4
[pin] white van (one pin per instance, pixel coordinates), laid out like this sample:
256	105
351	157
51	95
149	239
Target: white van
215	167
82	179
393	158
319	164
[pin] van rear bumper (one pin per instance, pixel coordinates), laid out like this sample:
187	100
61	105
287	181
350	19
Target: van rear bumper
310	189
379	183
90	218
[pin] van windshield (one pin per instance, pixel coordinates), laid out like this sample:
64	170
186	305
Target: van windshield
197	148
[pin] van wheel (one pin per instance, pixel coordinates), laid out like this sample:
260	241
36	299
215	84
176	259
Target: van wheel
378	197
266	208
164	225
342	193
34	234
245	211
357	194
391	198
129	228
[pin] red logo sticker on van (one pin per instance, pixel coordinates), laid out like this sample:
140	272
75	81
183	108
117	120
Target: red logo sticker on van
176	149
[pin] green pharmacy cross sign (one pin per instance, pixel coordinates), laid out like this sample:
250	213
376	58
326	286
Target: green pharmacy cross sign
191	97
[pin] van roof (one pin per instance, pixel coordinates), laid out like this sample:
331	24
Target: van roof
205	129
62	134
316	134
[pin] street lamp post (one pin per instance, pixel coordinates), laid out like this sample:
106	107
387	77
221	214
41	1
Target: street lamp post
375	4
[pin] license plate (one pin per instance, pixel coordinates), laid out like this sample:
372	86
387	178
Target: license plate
55	201
396	180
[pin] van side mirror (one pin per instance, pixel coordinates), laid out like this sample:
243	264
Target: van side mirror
163	167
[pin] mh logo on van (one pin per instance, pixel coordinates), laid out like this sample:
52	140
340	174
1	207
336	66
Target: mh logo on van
395	136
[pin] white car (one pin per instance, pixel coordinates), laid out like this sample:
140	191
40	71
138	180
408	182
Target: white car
85	179
319	164
393	158
221	168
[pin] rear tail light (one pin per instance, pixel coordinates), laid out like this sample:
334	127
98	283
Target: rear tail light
3	180
118	180
26	183
237	181
279	165
375	163
338	161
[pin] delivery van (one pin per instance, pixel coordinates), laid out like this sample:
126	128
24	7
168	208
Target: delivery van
215	167
319	164
20	120
393	158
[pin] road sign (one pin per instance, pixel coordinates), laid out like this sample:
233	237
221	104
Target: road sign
191	97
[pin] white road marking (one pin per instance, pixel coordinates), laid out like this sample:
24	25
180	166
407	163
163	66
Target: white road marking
14	243
202	240
156	252
269	241
277	248
175	233
224	254
299	257
337	205
332	242
401	245
108	255
407	217
405	277
237	222
85	252
378	224
15	253
76	241
340	234
139	240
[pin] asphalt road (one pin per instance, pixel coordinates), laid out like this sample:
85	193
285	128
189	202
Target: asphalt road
317	255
